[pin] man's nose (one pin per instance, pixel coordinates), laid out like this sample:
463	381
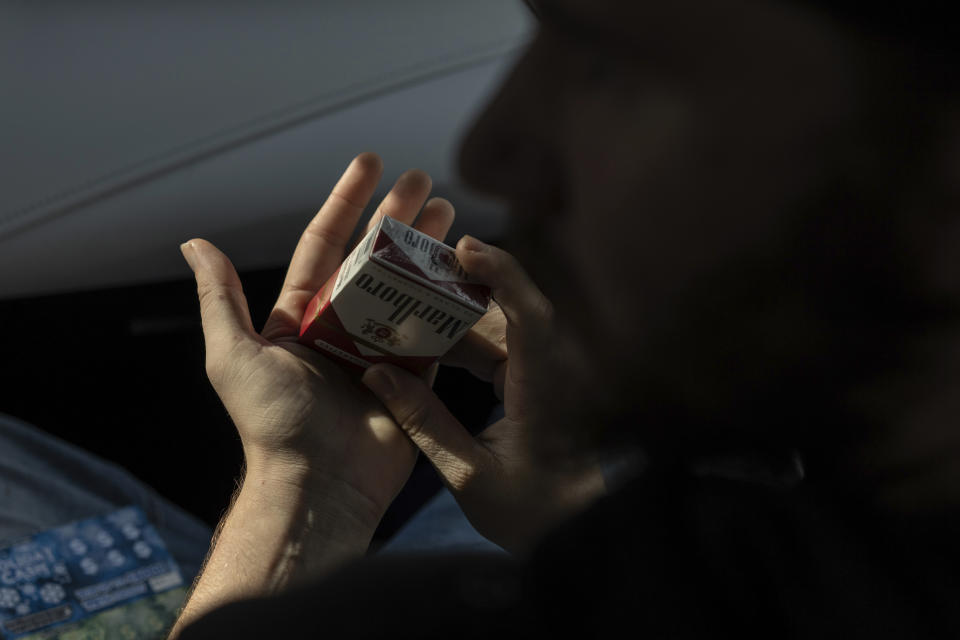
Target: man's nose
512	151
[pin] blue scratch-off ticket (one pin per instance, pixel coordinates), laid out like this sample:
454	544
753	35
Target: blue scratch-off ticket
65	575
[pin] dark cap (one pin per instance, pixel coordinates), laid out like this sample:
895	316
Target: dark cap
926	26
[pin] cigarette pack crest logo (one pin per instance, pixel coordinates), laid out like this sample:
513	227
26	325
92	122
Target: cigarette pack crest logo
445	260
380	333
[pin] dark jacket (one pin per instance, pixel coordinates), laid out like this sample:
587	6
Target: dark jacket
671	554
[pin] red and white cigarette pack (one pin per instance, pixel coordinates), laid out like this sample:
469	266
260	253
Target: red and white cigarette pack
400	297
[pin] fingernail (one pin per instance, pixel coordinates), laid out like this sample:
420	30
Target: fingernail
469	243
380	382
189	254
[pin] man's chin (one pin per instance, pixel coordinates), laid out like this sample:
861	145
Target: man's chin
572	408
572	393
534	246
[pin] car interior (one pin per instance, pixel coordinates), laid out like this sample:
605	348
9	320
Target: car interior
129	128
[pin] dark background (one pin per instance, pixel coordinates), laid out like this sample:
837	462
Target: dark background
120	372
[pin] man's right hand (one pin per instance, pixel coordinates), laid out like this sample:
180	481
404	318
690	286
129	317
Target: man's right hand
508	495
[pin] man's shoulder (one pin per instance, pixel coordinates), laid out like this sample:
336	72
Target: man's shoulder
670	543
702	550
673	554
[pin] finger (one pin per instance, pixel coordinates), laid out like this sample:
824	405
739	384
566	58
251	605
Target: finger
527	311
321	247
484	347
436	218
404	201
430	375
223	307
427	422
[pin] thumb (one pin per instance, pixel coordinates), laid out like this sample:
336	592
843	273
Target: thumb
426	421
223	307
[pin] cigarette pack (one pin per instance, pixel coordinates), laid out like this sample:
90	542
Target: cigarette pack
400	297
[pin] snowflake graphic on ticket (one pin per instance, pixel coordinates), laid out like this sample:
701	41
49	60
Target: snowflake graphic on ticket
73	580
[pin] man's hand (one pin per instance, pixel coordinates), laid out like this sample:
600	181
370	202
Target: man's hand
324	459
507	494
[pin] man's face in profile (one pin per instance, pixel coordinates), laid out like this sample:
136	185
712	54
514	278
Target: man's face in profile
655	156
